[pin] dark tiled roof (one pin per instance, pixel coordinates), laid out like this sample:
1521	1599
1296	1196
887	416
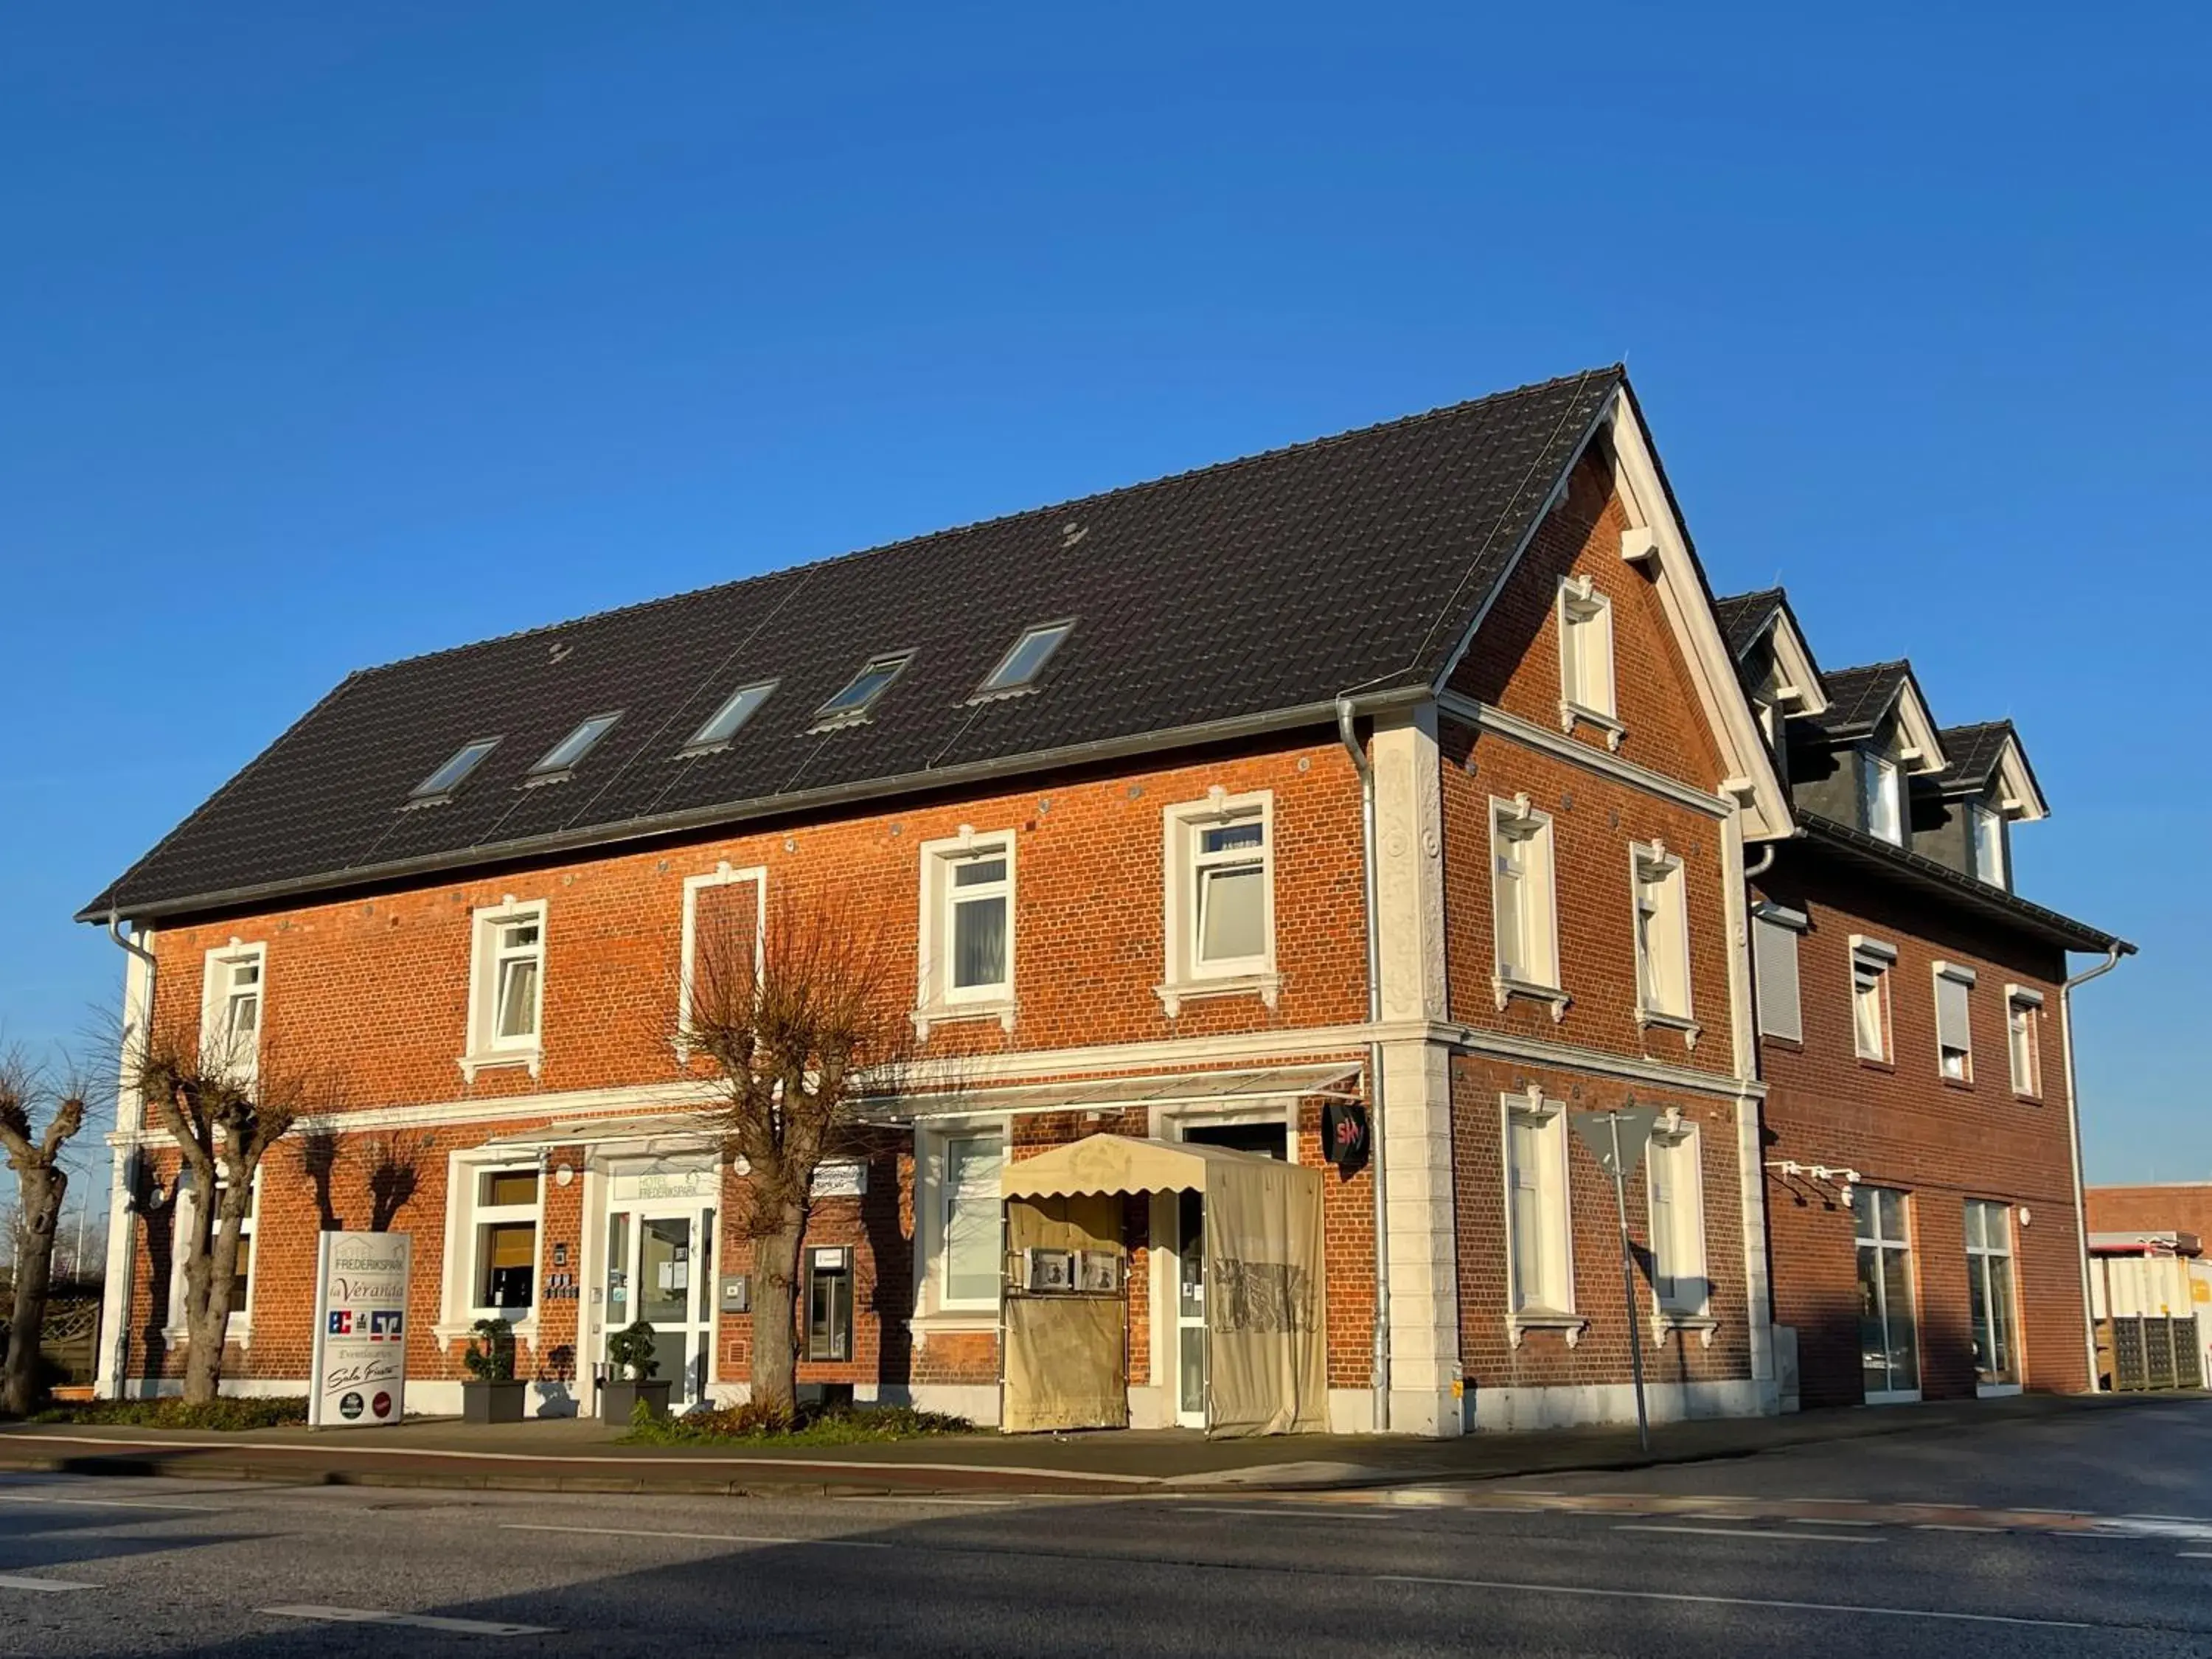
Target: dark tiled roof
1744	616
1973	752
1859	697
1264	585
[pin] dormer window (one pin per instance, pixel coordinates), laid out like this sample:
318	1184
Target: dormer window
1882	811
1987	825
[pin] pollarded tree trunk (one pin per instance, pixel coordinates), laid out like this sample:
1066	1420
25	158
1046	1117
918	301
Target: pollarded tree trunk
776	1309
42	1191
210	1270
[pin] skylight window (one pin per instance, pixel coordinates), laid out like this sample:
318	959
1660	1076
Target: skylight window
858	696
562	758
723	724
449	777
1020	669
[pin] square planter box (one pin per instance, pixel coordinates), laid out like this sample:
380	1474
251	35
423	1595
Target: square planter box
618	1400
493	1402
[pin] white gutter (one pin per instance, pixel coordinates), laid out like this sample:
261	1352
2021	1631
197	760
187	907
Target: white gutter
1365	768
2113	952
122	1220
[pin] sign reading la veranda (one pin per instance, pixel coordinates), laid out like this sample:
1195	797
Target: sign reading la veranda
361	1330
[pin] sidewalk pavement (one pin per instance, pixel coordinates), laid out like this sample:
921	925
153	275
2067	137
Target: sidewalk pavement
569	1454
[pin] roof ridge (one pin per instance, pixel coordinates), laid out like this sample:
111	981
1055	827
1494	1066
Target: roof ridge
1137	487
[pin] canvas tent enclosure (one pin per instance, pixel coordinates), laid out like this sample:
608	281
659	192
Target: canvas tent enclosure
1265	1364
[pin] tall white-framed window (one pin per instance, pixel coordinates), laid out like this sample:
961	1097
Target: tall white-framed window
239	1327
1775	933
1661	909
1586	679
1524	907
1219	857
2024	1039
966	953
504	1220
1871	961
1889	1335
1881	802
1674	1187
1955	1031
725	918
1987	825
1539	1246
233	982
959	1255
1991	1302
506	986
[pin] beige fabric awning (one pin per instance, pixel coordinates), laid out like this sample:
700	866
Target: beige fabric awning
1157	1088
1121	1163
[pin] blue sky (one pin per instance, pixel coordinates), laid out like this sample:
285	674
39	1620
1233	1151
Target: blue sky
330	335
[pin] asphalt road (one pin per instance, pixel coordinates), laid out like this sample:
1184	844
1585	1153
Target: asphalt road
2013	1540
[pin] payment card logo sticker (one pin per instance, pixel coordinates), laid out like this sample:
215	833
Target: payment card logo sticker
341	1322
384	1325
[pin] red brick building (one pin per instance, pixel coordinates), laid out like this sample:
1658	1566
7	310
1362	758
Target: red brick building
1922	1143
1410	770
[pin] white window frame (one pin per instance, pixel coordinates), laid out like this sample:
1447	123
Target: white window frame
1951	972
722	875
1517	823
238	1327
1872	957
1908	1245
1989	861
1587	691
1183	826
2024	1030
933	1200
218	993
1547	1120
1987	1260
464	1170
1773	927
1662	973
1881	784
485	1047
936	997
1675	1140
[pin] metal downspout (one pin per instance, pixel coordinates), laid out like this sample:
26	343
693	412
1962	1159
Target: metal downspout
120	1211
2113	952
1349	737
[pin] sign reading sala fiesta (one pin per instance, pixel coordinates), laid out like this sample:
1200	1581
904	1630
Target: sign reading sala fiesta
361	1330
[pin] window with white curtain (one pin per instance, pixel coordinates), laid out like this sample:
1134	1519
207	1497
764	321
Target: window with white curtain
1586	684
1663	937
967	947
1219	856
969	1220
1676	1195
1522	894
230	1006
1989	839
1882	811
1870	965
1536	1205
507	986
2024	1038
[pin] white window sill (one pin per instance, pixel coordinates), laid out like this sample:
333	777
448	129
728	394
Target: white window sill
1571	1326
1267	986
947	1320
1705	1325
1506	989
1691	1031
1572	714
1996	1390
948	1013
239	1333
532	1057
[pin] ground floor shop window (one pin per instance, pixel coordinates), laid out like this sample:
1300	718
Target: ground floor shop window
1889	1346
506	1240
1990	1293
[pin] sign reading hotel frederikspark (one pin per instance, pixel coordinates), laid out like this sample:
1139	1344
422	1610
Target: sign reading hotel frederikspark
361	1330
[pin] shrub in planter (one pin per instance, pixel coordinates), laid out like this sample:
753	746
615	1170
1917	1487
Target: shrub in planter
492	1394
630	1352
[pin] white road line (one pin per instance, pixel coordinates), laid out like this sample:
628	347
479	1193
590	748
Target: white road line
1829	1520
109	1503
963	1503
18	1581
694	1537
413	1621
1951	1526
2195	1555
1754	1532
1734	1601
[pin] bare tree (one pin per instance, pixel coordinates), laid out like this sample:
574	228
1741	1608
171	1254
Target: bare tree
225	1106
41	1186
792	1026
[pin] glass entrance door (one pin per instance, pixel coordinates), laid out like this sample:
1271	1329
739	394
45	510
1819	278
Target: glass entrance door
661	1269
1190	1310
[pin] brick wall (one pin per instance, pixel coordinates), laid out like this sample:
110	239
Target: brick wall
2156	1208
1901	1124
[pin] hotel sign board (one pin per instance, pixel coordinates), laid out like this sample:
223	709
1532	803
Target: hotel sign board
361	1330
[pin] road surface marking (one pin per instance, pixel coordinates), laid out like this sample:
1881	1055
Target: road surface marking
1734	1601
1829	1520
1753	1532
965	1503
694	1537
412	1620
20	1581
19	1497
1951	1526
2195	1555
